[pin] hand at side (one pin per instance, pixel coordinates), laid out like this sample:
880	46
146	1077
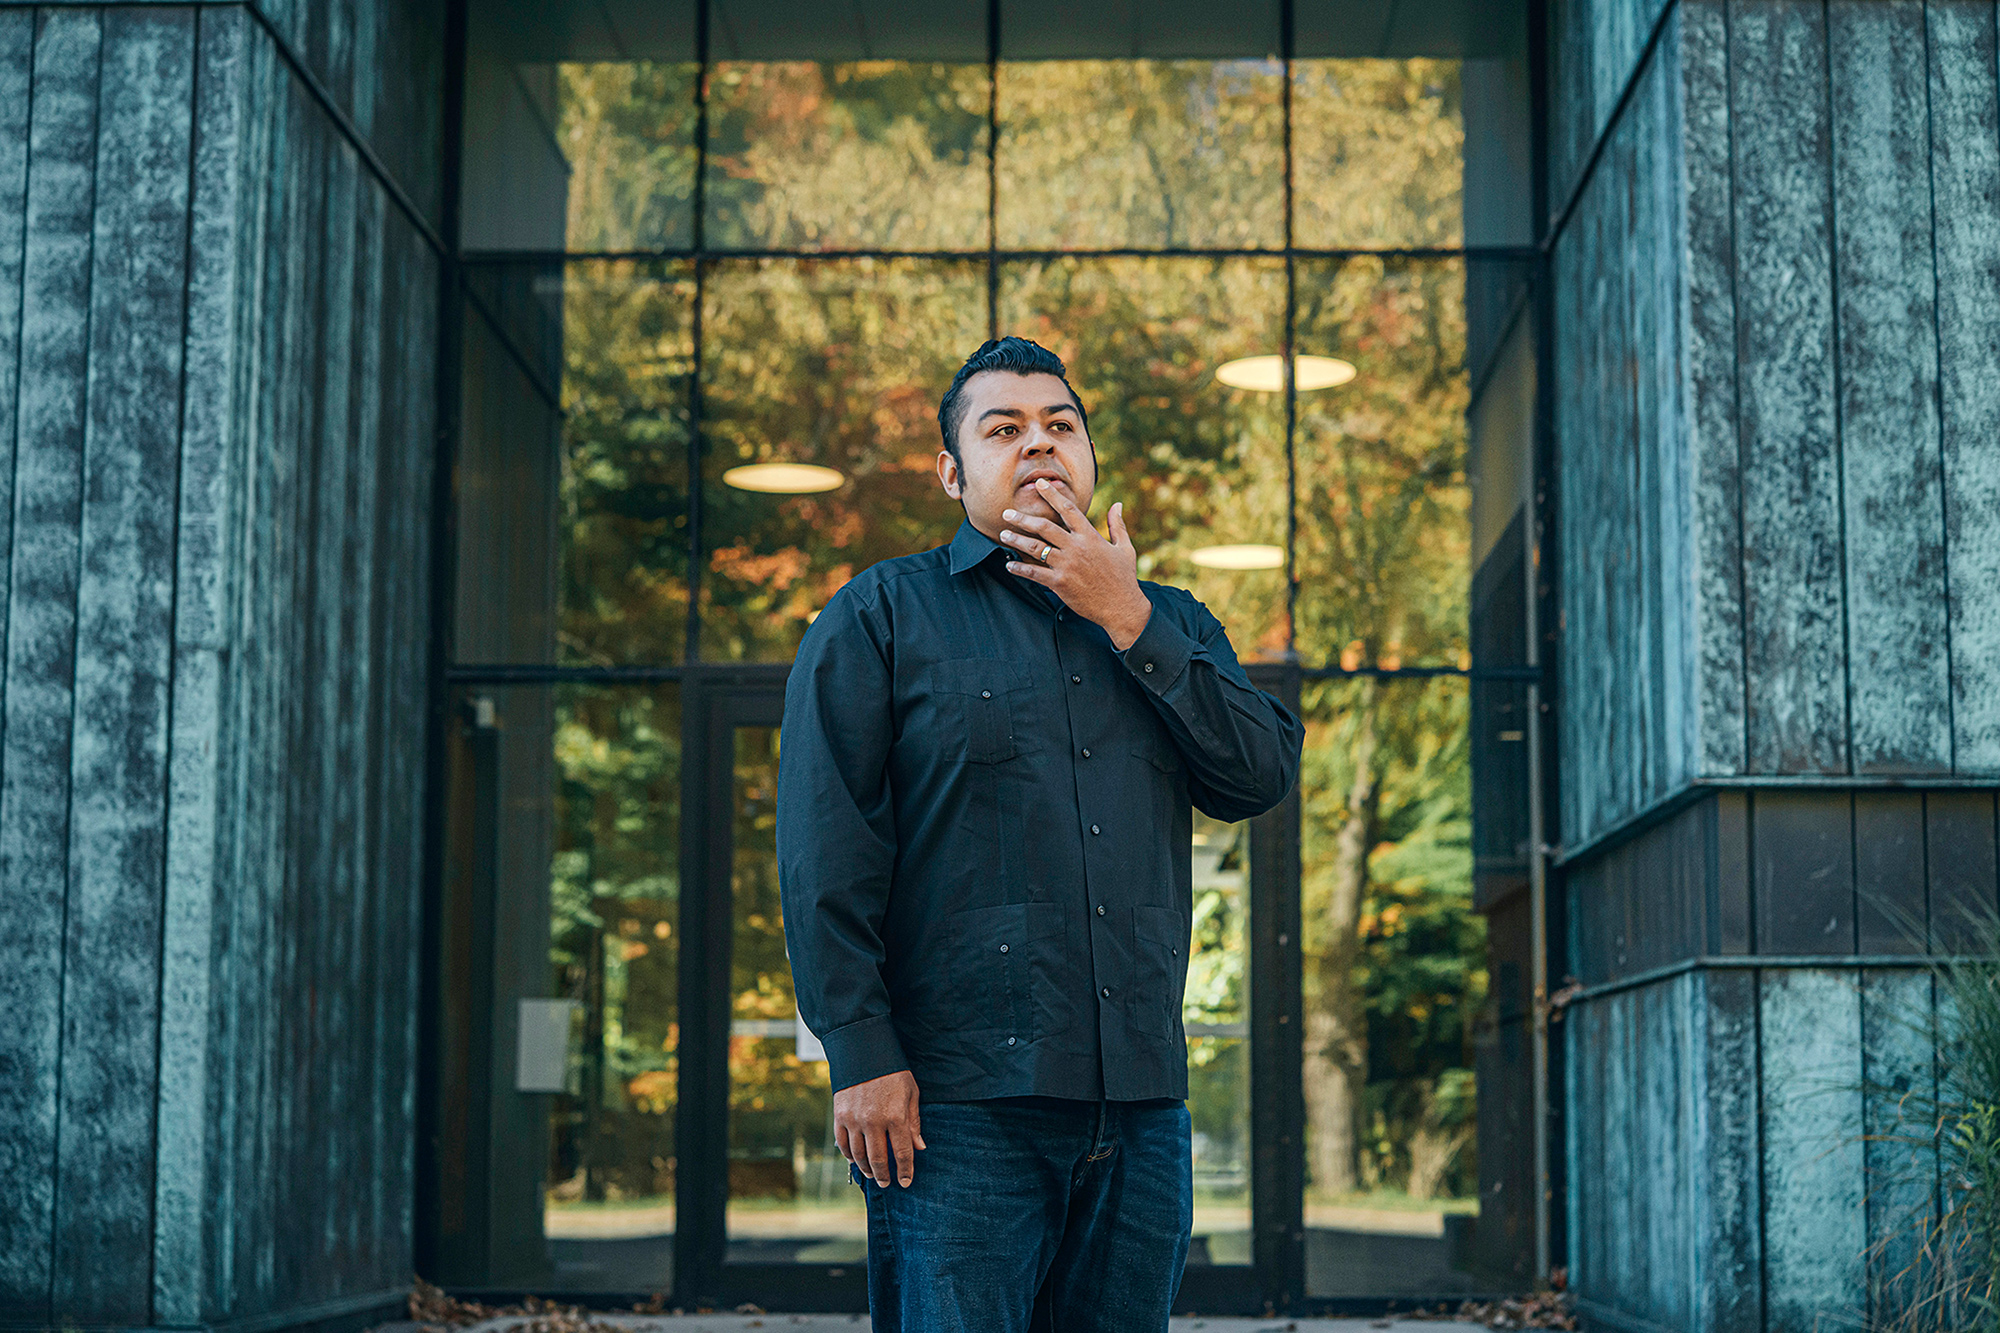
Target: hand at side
1096	578
877	1127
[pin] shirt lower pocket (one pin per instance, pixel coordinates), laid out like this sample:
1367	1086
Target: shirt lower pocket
1159	962
1004	966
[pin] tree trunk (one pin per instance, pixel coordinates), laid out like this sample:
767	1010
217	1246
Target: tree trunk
1336	1036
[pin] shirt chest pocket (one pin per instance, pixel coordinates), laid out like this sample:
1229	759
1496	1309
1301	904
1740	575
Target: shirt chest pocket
977	700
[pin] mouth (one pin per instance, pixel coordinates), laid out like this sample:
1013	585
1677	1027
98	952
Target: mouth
1028	482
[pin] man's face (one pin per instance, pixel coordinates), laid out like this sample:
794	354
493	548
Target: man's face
1017	428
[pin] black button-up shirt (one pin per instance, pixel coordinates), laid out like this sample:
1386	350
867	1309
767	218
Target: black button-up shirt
984	827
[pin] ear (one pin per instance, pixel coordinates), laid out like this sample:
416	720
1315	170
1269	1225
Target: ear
947	470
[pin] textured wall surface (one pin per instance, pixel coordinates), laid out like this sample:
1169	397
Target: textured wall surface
1777	309
216	427
1781	425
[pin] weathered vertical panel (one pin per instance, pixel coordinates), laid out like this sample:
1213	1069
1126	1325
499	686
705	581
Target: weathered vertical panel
1814	1216
1897	669
28	986
184	1203
104	1193
416	433
1794	627
1898	1049
35	748
330	874
1889	872
1663	1105
1965	174
362	791
1804	886
1724	1270
17	46
1707	311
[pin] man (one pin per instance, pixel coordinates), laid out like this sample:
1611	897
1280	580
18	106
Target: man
989	755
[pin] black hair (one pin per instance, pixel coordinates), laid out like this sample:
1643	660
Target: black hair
1022	356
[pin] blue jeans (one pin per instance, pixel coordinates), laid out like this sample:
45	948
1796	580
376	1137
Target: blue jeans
1075	1213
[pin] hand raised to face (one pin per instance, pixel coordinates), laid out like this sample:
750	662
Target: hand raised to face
1098	578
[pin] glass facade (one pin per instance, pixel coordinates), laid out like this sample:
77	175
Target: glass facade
699	243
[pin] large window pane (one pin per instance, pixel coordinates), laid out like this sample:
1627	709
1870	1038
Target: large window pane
628	368
1395	971
627	132
790	1198
1103	154
876	154
1198	464
1383	536
614	946
838	364
1378	154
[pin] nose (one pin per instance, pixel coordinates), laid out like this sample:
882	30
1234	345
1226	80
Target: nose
1038	441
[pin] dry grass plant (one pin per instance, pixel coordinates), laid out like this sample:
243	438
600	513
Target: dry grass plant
1936	1266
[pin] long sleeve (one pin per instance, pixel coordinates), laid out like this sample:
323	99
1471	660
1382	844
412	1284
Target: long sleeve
1240	745
837	836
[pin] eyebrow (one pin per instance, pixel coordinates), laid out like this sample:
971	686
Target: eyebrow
1017	414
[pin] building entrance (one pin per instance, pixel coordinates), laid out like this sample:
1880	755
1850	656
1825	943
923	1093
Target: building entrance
691	1139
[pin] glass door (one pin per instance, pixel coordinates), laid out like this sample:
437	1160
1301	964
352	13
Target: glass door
769	1213
790	1199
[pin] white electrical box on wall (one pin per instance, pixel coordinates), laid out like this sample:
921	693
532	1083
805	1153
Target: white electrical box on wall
541	1052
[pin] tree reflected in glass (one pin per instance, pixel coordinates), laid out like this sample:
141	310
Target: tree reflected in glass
838	363
1378	151
627	131
1395	957
1111	153
876	154
1197	463
628	367
1384	534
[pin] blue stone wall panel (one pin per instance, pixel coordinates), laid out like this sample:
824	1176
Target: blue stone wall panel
212	691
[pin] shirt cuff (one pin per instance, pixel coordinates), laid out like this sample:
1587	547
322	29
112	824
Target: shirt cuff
1160	653
861	1051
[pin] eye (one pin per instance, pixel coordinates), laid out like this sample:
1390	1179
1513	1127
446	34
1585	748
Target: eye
1061	426
1002	430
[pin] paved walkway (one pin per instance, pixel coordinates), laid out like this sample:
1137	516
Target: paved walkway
854	1323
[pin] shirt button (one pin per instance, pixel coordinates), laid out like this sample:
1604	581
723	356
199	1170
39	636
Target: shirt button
1010	1041
1148	666
1093	828
1086	754
1106	992
1076	680
988	694
1100	909
1003	948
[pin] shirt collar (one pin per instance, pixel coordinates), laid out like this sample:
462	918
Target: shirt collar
970	547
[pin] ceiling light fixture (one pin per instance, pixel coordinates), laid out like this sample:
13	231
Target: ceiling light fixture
1240	557
783	478
1266	374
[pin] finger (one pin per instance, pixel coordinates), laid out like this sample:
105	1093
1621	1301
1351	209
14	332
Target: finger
906	1152
1063	505
1032	573
1032	547
917	1124
879	1164
840	1141
1040	527
1119	537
